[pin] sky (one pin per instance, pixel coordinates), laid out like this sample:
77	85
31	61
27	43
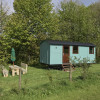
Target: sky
85	2
9	3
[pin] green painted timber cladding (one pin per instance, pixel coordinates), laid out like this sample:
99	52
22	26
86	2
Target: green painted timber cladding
45	53
83	52
56	54
52	54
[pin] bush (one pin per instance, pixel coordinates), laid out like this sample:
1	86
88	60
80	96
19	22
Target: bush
50	76
98	60
84	66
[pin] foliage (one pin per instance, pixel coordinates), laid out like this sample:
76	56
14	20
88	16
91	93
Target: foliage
76	22
84	64
4	56
95	9
98	60
4	50
31	23
3	17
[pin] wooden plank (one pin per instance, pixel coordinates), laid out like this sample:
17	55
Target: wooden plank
24	68
70	72
19	79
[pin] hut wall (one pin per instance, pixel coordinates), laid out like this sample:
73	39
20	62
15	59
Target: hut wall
45	53
56	54
83	52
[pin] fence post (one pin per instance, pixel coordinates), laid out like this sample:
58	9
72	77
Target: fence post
19	78
70	72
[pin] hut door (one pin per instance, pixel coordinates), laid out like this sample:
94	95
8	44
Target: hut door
65	54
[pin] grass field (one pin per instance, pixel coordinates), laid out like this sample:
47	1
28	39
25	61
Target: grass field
44	84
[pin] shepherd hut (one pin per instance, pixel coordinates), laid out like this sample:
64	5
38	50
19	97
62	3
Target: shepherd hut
54	52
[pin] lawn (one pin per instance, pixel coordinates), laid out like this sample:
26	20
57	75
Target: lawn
43	84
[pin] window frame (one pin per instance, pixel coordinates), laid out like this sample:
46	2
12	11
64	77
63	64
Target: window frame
90	50
77	49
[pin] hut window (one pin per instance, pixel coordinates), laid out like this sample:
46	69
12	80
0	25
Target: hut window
91	50
75	49
66	49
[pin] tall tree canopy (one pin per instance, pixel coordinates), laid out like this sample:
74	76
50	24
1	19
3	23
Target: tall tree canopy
33	21
3	17
76	22
3	44
95	8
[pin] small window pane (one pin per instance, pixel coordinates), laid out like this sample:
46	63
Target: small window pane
66	50
91	50
75	49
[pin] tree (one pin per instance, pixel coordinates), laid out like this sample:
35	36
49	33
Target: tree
95	9
4	56
76	22
3	17
32	22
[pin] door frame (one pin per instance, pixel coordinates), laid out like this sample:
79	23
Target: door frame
63	52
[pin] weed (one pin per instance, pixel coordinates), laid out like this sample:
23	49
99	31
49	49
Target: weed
50	76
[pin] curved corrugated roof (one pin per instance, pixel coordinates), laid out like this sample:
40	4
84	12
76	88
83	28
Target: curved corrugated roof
57	42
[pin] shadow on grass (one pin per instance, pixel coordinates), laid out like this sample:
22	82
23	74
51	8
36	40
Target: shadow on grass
48	67
42	90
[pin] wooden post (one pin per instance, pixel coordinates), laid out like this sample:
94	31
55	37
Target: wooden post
19	78
13	63
70	72
13	72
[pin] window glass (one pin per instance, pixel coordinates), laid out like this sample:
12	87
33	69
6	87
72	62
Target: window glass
91	50
75	49
66	50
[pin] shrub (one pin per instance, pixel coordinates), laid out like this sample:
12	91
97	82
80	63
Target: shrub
98	60
50	76
84	66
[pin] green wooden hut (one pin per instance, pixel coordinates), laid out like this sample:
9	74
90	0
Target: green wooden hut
54	52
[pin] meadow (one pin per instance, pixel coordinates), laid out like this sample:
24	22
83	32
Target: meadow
41	83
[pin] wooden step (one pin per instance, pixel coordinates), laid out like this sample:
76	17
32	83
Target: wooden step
66	67
66	64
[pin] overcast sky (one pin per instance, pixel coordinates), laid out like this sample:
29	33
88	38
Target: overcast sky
85	2
9	3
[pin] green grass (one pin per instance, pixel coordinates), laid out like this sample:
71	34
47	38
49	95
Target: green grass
43	84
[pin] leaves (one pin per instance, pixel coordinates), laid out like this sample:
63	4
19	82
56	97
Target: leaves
31	23
35	20
76	22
